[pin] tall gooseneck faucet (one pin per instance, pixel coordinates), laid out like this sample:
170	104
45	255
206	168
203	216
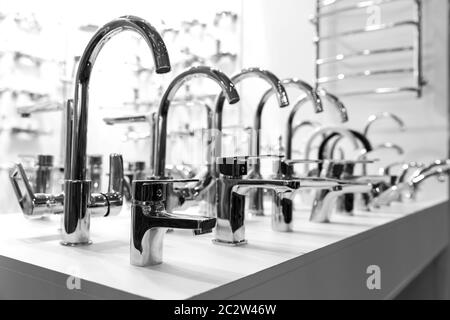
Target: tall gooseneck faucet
75	230
256	205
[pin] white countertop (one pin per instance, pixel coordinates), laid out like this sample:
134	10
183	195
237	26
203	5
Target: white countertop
192	265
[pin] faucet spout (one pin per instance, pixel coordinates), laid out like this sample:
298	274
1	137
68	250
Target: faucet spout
265	75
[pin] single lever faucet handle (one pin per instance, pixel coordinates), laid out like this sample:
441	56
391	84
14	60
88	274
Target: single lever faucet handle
33	205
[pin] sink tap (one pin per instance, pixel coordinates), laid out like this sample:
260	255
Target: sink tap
256	205
150	220
39	204
228	91
325	202
320	133
277	89
411	187
231	191
282	208
77	188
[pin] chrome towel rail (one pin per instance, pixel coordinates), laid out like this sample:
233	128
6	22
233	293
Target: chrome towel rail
415	48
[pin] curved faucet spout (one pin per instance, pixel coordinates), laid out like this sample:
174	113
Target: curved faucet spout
300	102
337	103
77	169
303	86
268	76
376	117
228	91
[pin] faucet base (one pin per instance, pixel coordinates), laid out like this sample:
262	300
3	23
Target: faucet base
229	243
75	244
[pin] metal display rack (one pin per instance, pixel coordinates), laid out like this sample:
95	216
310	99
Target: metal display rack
331	8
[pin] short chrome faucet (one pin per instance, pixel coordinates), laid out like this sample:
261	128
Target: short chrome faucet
150	220
256	205
231	191
410	187
277	89
77	188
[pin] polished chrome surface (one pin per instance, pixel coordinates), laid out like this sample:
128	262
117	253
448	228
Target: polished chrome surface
256	196
384	146
43	179
354	6
320	132
380	116
38	204
325	203
372	28
150	220
228	91
265	75
365	73
202	188
408	188
393	90
76	219
290	123
362	53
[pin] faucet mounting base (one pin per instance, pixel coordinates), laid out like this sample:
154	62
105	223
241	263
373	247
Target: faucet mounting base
229	243
75	244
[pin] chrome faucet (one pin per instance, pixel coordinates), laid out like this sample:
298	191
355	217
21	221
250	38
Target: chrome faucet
410	187
150	220
325	203
278	89
282	208
203	186
39	204
256	205
231	191
76	218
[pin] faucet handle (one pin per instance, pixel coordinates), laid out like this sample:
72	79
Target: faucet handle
33	205
153	190
232	166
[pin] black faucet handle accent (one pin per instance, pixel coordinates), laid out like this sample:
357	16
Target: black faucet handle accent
154	190
232	166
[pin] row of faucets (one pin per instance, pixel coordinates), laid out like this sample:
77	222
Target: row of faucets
225	182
